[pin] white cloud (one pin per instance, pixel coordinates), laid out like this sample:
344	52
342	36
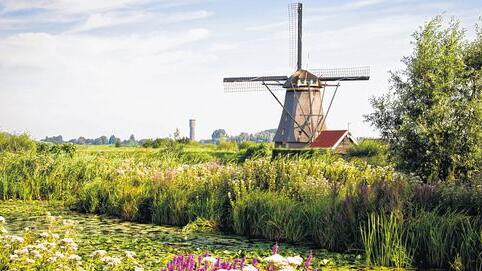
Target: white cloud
103	20
70	6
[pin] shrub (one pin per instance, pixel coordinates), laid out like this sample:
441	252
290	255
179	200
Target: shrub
256	151
16	143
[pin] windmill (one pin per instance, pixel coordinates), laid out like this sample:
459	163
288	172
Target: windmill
302	118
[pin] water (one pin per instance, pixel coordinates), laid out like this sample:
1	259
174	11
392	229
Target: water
156	245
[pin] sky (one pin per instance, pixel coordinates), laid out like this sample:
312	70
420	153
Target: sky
91	68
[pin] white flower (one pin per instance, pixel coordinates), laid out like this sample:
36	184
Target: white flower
21	251
59	254
44	234
209	260
55	236
36	254
130	254
42	246
99	253
67	241
276	260
112	261
74	258
249	267
138	268
29	261
296	260
13	257
16	239
287	268
2	219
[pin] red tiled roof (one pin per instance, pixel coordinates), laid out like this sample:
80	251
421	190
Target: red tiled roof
329	138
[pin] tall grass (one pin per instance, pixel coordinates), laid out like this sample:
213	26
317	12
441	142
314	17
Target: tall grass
321	199
439	240
384	242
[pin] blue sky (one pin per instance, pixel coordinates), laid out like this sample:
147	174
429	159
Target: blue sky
91	68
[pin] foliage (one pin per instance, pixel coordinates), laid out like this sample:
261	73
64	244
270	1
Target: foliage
439	240
218	135
255	151
431	119
321	199
55	249
367	148
201	225
56	149
15	143
227	145
384	242
156	245
263	136
373	151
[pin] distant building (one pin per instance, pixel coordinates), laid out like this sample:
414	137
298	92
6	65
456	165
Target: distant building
192	129
337	140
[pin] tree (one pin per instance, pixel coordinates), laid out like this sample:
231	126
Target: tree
54	139
132	141
218	135
112	139
177	134
433	113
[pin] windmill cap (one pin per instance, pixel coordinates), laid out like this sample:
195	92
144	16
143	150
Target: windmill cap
302	78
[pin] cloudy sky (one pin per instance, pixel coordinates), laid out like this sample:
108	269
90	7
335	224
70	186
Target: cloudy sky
91	68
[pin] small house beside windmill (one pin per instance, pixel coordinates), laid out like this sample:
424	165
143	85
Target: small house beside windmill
336	140
303	120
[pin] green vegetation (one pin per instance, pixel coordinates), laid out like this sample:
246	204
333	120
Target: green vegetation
154	246
320	199
432	116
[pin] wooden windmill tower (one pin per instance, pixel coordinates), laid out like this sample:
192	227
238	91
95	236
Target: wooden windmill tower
303	117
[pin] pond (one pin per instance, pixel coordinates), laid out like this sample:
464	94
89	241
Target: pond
156	245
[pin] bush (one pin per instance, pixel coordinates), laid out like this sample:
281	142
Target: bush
256	151
16	143
367	148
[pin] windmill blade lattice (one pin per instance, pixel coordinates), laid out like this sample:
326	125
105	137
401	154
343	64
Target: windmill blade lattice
343	74
251	86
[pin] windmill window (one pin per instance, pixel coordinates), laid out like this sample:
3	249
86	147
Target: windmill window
286	118
283	131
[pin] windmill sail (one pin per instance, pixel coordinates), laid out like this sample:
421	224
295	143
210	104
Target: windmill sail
295	34
254	83
343	74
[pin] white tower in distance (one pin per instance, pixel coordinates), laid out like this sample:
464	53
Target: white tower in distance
192	129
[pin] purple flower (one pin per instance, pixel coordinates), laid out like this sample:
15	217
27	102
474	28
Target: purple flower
274	249
308	260
255	262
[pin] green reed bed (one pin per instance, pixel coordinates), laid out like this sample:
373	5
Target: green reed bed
322	200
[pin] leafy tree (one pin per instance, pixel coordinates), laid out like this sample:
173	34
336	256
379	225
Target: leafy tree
433	113
104	140
112	139
54	139
81	140
177	134
218	134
